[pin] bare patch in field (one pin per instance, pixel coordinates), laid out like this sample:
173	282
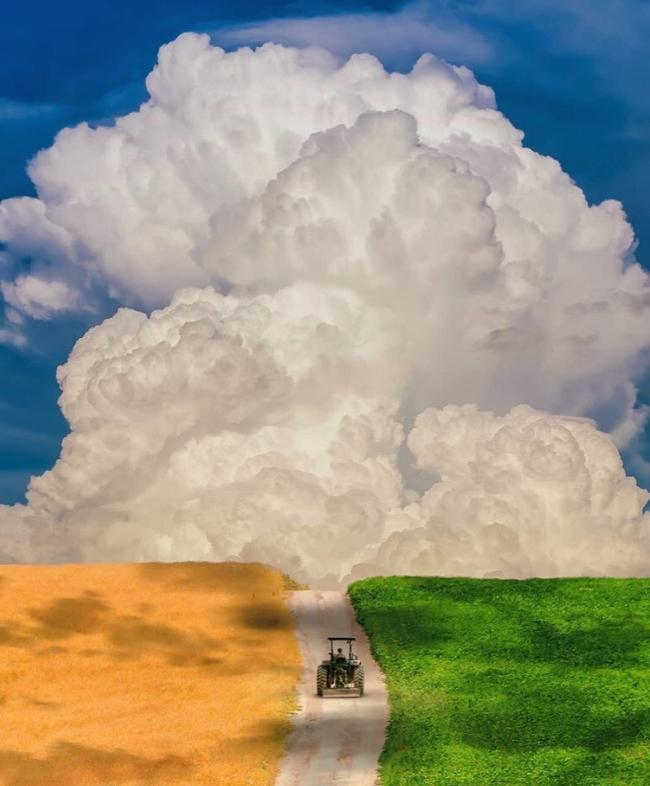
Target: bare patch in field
144	674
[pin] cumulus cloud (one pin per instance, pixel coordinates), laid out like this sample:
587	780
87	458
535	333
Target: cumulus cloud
259	429
341	259
526	494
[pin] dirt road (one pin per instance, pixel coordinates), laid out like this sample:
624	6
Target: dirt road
334	740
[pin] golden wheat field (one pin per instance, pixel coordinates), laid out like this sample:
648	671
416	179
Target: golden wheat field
147	674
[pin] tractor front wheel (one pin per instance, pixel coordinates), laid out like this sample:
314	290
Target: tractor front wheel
321	680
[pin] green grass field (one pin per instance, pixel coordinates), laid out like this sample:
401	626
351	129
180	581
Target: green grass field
544	682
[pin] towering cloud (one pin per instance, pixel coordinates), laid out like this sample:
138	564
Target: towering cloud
340	258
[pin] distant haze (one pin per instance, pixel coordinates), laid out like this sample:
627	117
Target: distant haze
386	332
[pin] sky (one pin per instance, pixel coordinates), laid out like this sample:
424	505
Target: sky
572	76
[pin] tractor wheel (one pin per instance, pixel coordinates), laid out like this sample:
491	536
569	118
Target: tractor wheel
321	679
359	679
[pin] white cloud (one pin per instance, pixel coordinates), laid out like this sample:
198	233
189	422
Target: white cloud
12	337
522	495
264	429
38	298
396	36
347	252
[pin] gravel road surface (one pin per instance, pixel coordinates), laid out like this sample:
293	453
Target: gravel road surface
334	740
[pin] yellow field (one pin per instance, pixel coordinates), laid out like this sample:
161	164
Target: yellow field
144	674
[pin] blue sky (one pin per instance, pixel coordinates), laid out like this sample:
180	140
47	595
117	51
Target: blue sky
572	75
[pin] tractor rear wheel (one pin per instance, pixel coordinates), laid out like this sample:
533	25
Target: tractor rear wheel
321	679
359	679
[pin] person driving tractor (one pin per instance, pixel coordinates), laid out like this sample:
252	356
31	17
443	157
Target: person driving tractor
340	673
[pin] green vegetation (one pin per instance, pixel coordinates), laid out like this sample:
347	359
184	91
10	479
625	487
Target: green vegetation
544	682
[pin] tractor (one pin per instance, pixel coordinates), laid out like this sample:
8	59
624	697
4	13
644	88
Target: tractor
341	674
